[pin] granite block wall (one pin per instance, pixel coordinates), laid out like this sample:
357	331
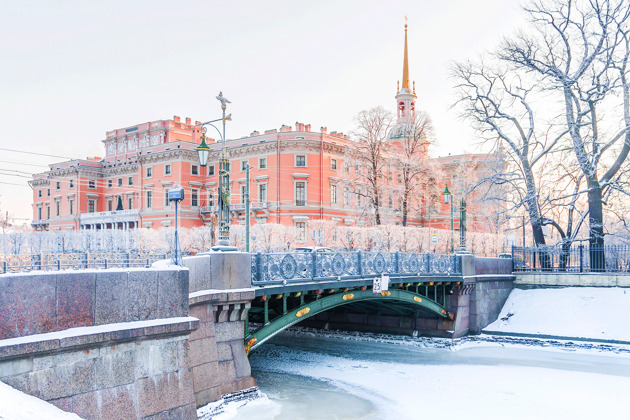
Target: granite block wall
130	380
219	271
103	344
487	300
218	358
45	302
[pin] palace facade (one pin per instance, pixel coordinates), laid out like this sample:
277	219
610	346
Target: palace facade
296	175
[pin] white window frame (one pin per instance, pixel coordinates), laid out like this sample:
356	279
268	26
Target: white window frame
300	231
149	199
149	172
295	161
333	167
295	191
243	189
262	160
167	169
244	165
333	194
194	170
262	185
194	196
91	184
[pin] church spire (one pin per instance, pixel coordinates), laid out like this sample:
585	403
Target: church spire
405	77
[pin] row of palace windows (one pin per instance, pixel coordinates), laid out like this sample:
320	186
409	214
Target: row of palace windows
168	170
300	161
120	181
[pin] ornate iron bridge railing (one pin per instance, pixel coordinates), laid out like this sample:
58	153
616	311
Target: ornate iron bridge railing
313	266
77	261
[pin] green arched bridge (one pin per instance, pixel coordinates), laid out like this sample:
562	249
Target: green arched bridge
295	287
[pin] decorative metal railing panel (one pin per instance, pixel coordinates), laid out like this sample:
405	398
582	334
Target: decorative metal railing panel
306	266
77	260
576	258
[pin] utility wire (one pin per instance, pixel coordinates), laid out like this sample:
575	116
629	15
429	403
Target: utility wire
33	153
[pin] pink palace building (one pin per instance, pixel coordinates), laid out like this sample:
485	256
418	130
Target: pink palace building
296	175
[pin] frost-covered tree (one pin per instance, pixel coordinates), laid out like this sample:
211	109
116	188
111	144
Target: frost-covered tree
579	51
409	159
366	157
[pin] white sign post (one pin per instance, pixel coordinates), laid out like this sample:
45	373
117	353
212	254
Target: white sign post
380	284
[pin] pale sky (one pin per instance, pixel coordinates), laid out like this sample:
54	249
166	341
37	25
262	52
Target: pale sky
72	70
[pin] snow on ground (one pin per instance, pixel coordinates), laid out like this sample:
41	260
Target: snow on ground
585	312
16	405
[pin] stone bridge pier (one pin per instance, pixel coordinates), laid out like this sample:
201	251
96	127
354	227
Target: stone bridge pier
220	297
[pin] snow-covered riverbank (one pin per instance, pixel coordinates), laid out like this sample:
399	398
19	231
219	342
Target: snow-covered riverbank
584	312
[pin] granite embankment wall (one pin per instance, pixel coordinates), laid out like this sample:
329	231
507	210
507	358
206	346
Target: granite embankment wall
563	279
103	344
493	282
220	297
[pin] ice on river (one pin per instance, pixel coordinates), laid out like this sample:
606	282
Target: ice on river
310	376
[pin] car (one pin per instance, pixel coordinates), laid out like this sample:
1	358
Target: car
506	255
318	249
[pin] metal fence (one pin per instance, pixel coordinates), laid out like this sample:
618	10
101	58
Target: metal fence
308	266
575	259
77	260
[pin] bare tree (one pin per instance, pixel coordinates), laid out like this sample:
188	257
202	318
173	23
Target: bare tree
367	155
579	51
410	157
499	108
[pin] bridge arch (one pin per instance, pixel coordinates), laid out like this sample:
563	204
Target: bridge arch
318	306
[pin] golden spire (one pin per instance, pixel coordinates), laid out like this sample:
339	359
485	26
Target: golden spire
405	78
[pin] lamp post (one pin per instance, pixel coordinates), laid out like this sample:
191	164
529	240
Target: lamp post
448	199
224	175
462	225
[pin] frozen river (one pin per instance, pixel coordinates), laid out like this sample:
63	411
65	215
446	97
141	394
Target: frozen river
308	376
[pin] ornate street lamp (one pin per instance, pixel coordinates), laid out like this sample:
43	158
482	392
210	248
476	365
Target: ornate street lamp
203	150
224	175
448	199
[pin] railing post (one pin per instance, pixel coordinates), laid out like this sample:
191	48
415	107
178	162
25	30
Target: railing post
38	261
581	249
127	260
58	264
429	263
84	262
4	267
314	272
360	263
147	266
513	257
106	264
397	258
259	266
